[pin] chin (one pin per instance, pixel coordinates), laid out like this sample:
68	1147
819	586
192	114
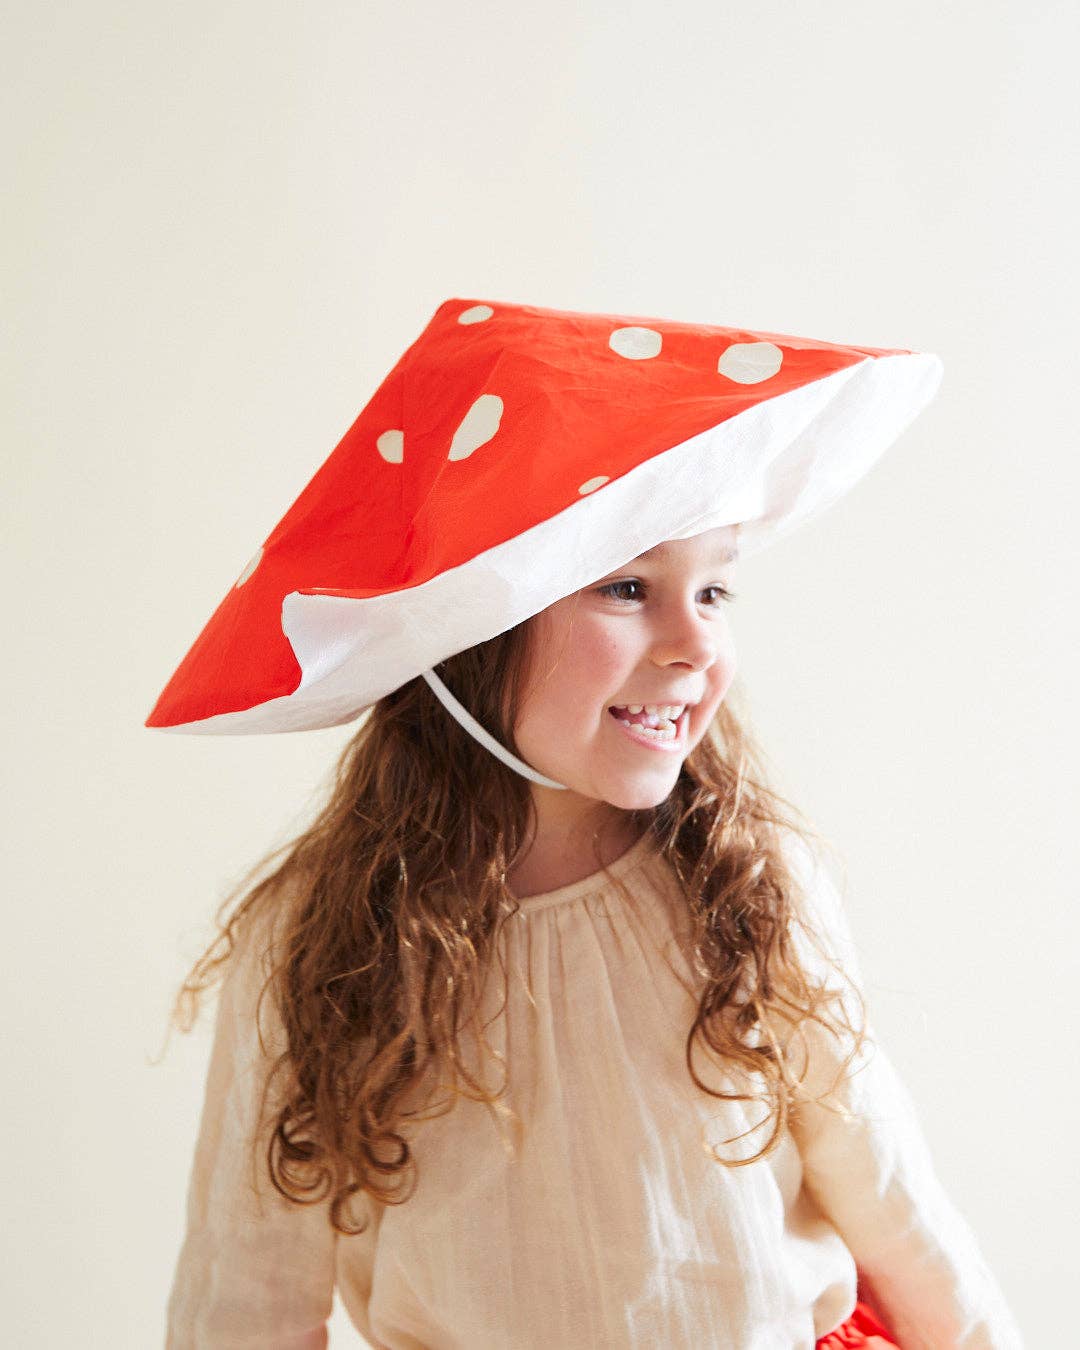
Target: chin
641	797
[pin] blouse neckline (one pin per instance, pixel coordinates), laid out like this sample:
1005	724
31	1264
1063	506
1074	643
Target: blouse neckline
596	882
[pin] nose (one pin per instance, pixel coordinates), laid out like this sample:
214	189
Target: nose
688	638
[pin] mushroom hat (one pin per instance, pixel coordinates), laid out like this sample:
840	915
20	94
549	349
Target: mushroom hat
513	455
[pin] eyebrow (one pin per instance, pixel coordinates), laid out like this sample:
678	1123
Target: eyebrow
730	554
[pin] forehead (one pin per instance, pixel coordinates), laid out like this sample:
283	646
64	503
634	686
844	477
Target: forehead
719	545
723	552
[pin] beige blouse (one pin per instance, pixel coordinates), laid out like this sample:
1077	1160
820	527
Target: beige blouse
603	1224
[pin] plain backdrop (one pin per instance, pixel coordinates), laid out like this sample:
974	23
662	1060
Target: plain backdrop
225	221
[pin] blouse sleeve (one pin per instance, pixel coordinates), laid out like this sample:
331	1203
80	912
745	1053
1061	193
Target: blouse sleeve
872	1175
254	1270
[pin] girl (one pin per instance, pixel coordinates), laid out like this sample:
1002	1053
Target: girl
549	1031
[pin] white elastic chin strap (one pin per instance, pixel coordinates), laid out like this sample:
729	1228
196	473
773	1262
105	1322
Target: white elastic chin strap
473	727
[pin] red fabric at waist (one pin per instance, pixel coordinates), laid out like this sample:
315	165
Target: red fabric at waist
861	1331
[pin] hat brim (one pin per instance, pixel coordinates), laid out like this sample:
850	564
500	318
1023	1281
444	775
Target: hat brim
768	469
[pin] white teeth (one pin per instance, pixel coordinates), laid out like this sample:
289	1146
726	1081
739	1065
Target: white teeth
665	730
670	711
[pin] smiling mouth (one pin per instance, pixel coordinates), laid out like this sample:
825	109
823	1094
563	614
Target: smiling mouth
638	714
668	736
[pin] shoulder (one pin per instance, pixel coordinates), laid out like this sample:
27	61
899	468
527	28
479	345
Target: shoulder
805	853
819	912
251	983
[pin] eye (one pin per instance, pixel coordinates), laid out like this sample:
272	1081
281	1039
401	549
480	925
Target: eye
612	589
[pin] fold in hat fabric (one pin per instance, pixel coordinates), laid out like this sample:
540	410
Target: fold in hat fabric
511	456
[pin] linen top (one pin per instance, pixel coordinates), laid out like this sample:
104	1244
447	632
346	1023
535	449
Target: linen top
607	1225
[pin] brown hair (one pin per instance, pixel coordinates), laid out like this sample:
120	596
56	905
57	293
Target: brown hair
386	910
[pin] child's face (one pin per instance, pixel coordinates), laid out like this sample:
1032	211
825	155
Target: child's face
664	639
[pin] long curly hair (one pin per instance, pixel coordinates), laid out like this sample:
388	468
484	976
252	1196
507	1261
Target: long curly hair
380	922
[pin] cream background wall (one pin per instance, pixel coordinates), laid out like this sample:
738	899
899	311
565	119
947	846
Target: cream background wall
223	224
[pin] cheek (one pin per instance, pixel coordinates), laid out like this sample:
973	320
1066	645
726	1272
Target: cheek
723	675
582	662
573	696
598	678
599	654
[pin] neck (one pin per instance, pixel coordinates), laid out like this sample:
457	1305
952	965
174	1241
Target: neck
569	845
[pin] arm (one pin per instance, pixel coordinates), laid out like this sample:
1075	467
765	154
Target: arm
873	1177
253	1269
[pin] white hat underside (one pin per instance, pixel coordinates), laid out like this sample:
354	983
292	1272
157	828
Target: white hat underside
768	469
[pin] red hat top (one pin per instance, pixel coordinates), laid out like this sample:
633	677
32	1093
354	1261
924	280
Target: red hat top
512	455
